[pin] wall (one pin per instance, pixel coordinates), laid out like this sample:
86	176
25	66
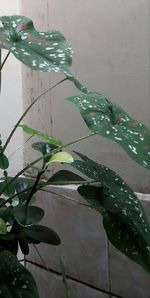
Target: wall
11	97
111	44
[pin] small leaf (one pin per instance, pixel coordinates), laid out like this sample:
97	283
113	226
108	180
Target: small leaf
45	149
111	121
65	177
51	140
3	228
22	184
15	280
4	163
24	246
44	51
28	215
7	189
63	157
42	234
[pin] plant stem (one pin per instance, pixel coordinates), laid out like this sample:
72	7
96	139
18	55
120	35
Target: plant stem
4	61
41	158
26	111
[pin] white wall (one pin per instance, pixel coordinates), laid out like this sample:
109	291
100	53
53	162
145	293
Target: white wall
11	95
111	44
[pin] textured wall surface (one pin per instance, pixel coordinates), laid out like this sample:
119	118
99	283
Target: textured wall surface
111	55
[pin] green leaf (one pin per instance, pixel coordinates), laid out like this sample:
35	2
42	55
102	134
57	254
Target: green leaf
65	177
50	140
6	213
120	208
15	280
44	51
4	163
111	121
42	234
28	215
3	228
22	184
63	157
44	148
9	189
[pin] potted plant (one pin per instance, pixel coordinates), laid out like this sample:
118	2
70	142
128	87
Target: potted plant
124	219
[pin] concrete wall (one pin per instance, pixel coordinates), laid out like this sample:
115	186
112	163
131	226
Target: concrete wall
11	96
111	44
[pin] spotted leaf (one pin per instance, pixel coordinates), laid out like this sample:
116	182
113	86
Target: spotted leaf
120	208
15	280
111	121
45	51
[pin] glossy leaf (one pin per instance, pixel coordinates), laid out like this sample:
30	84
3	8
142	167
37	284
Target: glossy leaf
119	206
44	148
4	163
50	140
41	233
15	280
6	188
65	177
111	121
3	228
44	51
22	184
28	215
63	157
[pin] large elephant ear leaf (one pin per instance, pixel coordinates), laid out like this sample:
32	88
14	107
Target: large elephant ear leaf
15	280
125	222
45	51
111	121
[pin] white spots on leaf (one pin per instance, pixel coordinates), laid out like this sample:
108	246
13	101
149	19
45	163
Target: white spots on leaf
119	139
34	63
1	24
133	149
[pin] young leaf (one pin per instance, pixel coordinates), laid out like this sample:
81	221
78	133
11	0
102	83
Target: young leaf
28	215
63	157
42	234
119	206
44	51
50	140
15	280
111	121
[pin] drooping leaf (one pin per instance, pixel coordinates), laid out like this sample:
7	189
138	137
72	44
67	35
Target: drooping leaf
41	233
4	163
44	148
3	228
50	140
15	280
44	51
120	208
111	121
28	215
63	157
6	188
63	177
